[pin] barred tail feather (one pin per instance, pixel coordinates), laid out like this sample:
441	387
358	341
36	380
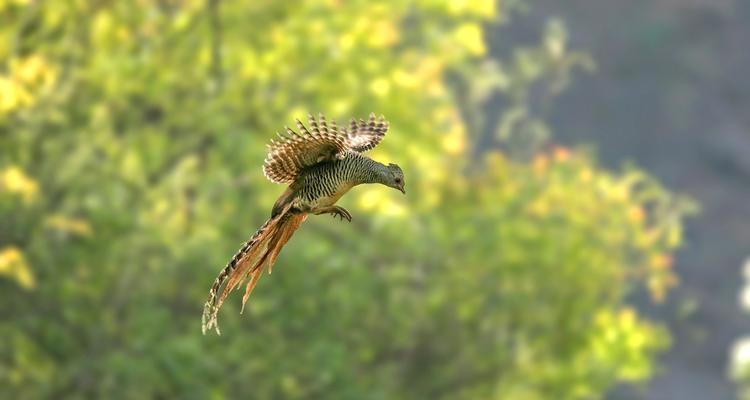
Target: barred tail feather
262	248
288	227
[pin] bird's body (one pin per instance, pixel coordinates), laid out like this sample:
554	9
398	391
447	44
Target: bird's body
320	167
323	184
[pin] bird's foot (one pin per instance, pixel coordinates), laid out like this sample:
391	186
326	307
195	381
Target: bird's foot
341	212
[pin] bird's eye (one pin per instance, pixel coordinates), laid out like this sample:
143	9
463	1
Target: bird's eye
398	180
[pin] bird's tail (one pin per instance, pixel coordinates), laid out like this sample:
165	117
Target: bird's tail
259	251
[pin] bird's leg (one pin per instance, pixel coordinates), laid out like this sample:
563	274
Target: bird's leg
341	212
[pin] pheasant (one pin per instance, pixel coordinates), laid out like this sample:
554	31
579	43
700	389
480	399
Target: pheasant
320	165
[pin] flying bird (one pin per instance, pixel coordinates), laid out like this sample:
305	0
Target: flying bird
320	164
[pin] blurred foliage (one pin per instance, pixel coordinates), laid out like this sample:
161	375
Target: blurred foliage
131	139
528	83
739	366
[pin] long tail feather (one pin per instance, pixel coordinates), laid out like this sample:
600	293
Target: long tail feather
284	233
262	248
254	277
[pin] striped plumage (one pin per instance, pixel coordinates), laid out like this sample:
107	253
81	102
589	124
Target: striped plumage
320	164
324	181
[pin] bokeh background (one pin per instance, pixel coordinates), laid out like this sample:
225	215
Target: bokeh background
575	227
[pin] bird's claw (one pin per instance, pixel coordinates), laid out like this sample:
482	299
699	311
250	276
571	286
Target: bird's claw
341	213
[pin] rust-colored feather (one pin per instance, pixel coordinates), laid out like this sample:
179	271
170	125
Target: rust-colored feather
262	248
287	231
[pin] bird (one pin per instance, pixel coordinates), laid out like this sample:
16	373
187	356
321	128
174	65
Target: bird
319	164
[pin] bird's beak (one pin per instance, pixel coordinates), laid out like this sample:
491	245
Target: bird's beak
402	190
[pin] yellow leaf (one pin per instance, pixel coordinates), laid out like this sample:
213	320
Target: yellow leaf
636	214
12	95
380	87
14	266
481	8
69	225
661	261
454	142
469	35
347	41
14	180
383	34
539	164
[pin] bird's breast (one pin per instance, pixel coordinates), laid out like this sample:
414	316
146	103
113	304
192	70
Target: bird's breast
330	199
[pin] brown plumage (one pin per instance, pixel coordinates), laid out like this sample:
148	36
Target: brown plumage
297	151
321	165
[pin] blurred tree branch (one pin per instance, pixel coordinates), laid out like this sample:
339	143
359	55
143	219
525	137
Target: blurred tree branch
217	69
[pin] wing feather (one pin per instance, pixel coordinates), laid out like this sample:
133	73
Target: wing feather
364	136
323	141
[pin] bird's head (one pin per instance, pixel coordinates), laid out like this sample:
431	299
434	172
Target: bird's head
395	178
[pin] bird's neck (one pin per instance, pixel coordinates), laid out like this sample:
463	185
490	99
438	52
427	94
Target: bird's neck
370	171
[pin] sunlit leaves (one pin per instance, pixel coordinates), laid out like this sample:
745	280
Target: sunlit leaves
623	342
528	83
469	37
68	225
504	240
13	265
26	80
13	181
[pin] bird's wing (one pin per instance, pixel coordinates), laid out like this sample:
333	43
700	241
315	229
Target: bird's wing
363	136
295	151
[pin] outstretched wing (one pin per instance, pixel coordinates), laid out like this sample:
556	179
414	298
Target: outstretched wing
295	151
363	136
